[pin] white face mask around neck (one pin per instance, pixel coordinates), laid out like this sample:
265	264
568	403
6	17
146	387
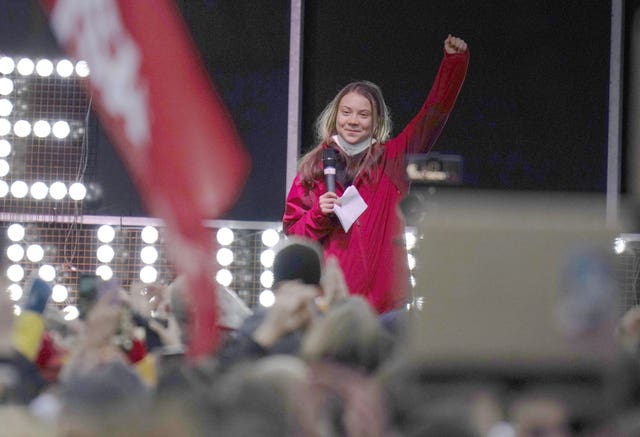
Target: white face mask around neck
353	149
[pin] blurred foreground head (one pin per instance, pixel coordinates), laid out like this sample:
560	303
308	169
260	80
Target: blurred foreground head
298	259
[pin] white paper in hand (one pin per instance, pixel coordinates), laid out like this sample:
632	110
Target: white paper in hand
352	206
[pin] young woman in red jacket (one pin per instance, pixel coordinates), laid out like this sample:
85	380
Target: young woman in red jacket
357	125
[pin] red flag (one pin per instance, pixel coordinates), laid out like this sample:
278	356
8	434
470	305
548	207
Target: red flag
167	123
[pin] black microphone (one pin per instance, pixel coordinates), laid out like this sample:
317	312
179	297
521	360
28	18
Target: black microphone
329	165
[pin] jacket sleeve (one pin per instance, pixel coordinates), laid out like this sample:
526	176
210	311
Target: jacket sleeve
302	215
425	128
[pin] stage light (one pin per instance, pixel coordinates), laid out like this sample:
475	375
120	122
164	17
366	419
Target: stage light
105	253
224	257
77	191
412	279
106	233
70	313
15	273
61	129
15	292
25	67
64	68
15	232
41	128
35	253
6	86
39	190
224	277
5	148
19	189
5	127
17	310
6	107
149	234
225	236
22	128
411	260
4	168
148	274
59	293
104	272
410	240
47	272
4	189
149	254
82	69
266	298
7	65
15	252
619	245
267	257
266	279
58	190
44	67
270	237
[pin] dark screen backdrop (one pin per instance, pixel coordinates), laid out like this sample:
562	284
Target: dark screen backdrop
532	113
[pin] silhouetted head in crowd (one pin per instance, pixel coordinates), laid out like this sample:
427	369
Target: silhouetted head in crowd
298	259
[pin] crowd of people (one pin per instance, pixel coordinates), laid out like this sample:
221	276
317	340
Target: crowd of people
319	362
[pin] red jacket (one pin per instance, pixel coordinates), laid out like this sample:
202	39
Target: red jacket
372	254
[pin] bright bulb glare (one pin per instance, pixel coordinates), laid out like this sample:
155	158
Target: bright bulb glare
15	232
267	298
22	128
61	129
412	261
4	189
106	233
4	168
77	191
5	148
15	273
58	190
35	253
82	69
619	245
225	236
6	107
224	257
148	274
41	128
15	252
105	253
47	272
7	65
270	237
6	86
19	189
25	66
17	310
410	240
224	277
5	126
266	279
64	68
149	234
44	67
104	272
59	293
267	257
15	292
148	254
70	313
39	190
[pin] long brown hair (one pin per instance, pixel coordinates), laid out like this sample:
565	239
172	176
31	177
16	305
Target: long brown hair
310	168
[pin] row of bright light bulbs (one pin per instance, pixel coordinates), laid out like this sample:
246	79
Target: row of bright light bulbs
23	128
43	67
